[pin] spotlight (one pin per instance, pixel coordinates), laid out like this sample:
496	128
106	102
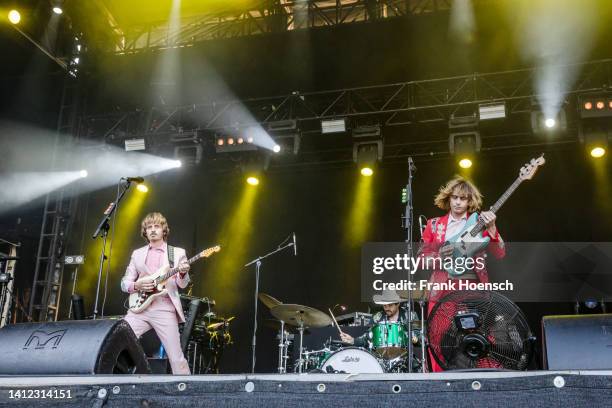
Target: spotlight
276	149
177	164
600	105
252	180
550	123
14	17
240	140
220	142
74	259
57	10
488	111
367	171
464	145
597	105
541	124
134	144
598	152
333	126
142	188
465	163
230	140
249	139
231	144
83	173
588	105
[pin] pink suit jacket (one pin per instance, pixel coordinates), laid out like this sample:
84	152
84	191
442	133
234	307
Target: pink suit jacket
137	269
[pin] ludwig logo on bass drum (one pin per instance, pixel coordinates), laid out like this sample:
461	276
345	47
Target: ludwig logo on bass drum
349	359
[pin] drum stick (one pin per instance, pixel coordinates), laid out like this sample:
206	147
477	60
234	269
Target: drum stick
334	319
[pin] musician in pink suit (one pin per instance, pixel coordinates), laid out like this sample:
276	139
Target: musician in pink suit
460	198
165	312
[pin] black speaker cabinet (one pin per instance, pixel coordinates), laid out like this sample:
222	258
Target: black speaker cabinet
71	347
577	342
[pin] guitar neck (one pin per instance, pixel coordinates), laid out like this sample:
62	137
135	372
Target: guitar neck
480	225
173	271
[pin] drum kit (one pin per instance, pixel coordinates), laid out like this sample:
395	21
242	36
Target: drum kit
386	350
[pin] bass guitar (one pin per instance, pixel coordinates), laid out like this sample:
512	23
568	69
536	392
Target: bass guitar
470	240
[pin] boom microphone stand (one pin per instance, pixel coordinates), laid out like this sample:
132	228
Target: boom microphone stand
102	231
257	262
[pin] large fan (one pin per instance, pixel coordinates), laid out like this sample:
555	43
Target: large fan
479	329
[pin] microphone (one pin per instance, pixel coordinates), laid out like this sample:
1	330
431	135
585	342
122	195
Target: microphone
133	179
294	245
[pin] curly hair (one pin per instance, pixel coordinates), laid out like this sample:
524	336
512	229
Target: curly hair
460	186
154	218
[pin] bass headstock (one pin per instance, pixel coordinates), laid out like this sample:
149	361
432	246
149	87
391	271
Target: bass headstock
528	170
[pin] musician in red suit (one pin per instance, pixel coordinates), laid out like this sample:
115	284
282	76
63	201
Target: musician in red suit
165	312
460	198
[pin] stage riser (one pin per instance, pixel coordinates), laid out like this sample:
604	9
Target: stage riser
531	391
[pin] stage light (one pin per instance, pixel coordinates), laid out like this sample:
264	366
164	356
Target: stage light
550	123
142	188
134	144
240	140
588	105
249	139
367	171
230	140
600	105
220	142
252	180
333	126
465	163
83	173
14	17
177	164
76	60
464	140
492	111
276	149
598	152
57	10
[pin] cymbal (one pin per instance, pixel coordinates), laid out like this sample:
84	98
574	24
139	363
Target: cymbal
417	294
214	326
295	314
269	301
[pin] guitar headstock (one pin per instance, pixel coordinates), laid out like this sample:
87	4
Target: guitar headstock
209	251
529	169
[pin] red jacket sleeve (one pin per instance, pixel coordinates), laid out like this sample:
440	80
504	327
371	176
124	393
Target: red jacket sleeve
496	247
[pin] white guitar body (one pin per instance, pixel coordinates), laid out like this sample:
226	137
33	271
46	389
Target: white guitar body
139	301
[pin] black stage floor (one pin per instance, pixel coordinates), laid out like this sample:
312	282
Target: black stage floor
488	389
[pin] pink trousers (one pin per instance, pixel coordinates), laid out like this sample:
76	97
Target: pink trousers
161	316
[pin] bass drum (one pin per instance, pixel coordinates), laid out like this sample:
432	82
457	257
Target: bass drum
353	360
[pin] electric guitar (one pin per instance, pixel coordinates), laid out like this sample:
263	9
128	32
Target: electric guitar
470	240
140	300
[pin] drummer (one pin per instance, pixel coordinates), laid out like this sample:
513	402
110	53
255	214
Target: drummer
390	301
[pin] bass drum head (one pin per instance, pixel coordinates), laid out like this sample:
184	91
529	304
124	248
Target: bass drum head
353	360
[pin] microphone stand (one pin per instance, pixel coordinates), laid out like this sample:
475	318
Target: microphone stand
408	225
102	231
257	262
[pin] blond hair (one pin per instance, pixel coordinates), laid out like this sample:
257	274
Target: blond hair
460	186
154	218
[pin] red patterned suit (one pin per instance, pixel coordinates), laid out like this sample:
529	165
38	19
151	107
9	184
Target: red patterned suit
433	238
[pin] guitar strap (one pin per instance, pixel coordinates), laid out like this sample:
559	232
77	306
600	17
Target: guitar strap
171	256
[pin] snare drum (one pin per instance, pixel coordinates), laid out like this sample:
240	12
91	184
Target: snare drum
389	339
353	360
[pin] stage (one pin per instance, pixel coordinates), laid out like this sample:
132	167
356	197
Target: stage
533	389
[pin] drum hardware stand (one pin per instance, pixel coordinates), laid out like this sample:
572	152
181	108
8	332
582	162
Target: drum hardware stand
283	347
301	360
408	221
423	344
102	230
257	262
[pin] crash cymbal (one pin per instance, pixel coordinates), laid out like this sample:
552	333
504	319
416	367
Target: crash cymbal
269	301
214	326
295	314
417	294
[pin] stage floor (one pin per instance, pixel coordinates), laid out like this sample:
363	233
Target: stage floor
473	388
